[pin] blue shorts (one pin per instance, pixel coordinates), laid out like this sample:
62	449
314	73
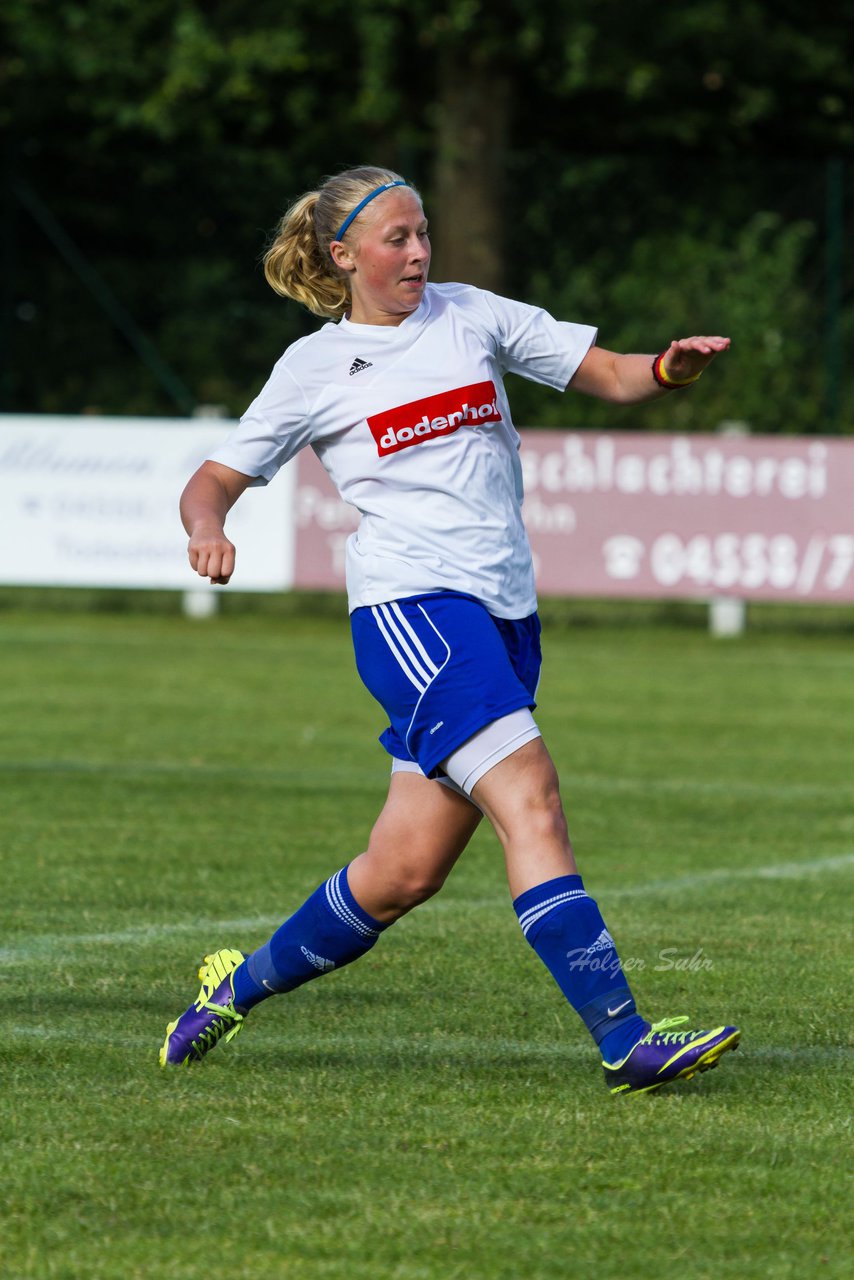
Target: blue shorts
442	667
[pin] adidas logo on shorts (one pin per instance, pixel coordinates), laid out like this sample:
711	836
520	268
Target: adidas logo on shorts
359	366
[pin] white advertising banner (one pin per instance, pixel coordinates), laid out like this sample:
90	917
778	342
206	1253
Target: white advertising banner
94	502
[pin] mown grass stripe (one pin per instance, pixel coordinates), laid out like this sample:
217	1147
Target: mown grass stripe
47	945
338	774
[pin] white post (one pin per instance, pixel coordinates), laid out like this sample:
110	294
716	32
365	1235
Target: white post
727	616
200	604
215	411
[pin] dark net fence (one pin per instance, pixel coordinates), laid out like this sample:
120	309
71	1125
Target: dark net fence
126	292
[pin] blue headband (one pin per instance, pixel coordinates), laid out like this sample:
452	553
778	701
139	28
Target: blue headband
387	186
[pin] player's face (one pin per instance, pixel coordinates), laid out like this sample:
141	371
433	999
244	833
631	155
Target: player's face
389	261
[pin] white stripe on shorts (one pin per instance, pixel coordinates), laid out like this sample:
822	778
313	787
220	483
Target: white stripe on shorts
413	635
426	670
401	661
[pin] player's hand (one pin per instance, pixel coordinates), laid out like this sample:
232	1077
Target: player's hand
687	357
211	555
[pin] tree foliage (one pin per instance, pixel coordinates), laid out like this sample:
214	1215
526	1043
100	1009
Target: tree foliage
649	168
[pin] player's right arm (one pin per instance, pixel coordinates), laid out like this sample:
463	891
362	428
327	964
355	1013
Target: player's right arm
209	496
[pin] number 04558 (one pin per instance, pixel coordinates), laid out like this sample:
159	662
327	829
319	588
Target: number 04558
753	560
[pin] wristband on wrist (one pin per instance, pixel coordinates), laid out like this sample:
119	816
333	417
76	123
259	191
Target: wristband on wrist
663	378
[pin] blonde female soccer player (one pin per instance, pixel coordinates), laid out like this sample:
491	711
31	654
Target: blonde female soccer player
402	399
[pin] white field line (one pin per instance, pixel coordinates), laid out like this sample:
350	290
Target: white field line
778	871
727	787
47	946
439	1046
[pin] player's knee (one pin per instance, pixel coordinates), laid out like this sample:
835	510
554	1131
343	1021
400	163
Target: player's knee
533	814
415	885
544	817
401	883
544	804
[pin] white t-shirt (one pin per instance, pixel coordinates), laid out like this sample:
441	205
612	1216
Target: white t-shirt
412	423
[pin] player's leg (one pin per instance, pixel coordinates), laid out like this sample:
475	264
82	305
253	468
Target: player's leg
422	830
520	795
418	836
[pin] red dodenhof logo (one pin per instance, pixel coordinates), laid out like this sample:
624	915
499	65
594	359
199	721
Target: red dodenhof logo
439	415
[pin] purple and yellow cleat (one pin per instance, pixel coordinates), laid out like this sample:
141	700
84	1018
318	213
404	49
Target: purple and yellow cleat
211	1018
664	1055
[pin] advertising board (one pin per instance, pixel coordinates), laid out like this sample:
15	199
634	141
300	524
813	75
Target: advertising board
637	515
94	502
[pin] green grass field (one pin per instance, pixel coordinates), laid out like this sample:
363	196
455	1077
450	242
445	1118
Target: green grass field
436	1111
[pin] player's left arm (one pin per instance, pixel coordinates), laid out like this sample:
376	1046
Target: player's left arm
629	379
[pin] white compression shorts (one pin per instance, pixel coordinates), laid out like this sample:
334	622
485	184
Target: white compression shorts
465	767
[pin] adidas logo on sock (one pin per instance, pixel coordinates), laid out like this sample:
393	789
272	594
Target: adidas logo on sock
359	366
603	943
318	961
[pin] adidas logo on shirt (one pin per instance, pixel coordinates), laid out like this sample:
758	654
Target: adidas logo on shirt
359	366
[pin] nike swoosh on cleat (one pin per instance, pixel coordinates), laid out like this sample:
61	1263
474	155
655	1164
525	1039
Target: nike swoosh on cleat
612	1013
269	988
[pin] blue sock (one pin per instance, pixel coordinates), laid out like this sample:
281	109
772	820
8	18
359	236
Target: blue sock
566	929
328	931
